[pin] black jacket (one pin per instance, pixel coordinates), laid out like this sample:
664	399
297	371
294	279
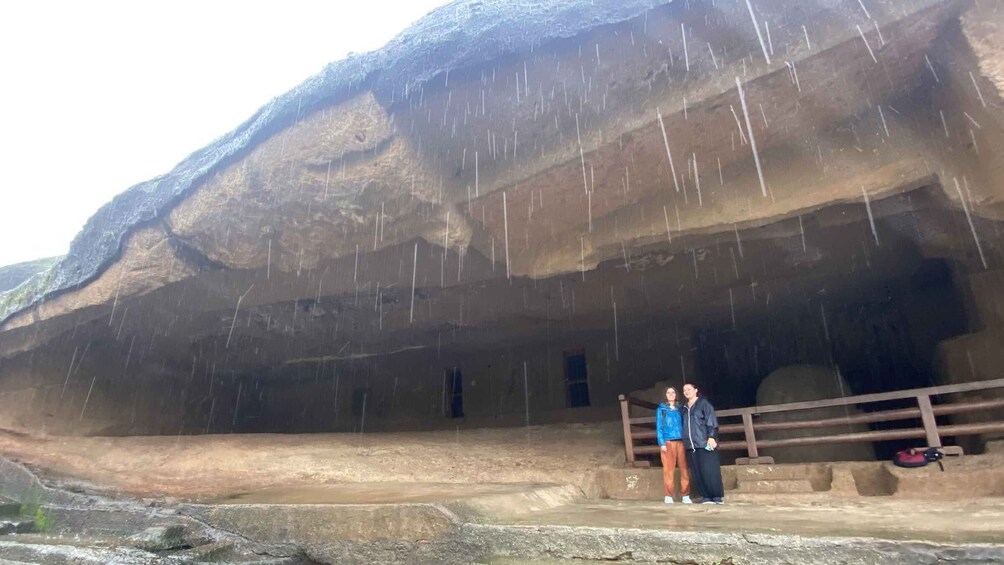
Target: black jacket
699	424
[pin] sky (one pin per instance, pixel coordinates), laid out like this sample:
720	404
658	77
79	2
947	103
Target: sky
100	95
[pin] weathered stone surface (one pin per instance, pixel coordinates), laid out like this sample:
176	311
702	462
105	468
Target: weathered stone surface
16	527
13	275
312	524
9	508
804	383
166	538
20	552
852	532
148	262
456	36
507	186
567	544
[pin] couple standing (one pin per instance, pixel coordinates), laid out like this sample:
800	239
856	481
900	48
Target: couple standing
688	439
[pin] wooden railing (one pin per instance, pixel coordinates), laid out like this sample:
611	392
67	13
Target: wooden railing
639	429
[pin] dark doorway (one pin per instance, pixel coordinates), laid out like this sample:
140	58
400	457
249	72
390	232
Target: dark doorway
454	393
576	378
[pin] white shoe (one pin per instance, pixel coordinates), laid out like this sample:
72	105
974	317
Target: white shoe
668	500
686	500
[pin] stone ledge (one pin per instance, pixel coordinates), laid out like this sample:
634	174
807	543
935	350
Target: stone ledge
564	544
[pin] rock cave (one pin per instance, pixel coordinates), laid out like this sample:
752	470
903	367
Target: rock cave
502	222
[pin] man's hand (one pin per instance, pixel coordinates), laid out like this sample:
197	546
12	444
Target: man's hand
712	443
663	448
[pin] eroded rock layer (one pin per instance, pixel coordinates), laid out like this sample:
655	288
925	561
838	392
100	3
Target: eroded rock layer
500	221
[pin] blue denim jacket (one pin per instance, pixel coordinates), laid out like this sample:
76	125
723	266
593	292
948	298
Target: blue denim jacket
668	423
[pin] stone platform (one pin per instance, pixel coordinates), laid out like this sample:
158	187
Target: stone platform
500	524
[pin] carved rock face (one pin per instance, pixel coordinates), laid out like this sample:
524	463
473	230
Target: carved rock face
609	188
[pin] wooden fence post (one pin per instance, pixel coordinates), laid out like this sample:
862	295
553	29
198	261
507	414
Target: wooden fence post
750	435
626	421
927	416
751	448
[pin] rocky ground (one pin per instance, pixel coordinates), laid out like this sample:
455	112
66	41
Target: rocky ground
209	466
393	498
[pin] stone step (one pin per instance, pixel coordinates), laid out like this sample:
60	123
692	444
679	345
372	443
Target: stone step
733	496
776	472
775	486
16	526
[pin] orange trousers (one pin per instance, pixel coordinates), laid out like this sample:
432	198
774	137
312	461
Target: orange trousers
674	457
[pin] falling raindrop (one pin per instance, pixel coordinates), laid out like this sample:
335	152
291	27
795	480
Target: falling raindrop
972	227
862	4
865	39
505	216
697	180
86	400
931	67
686	57
414	271
977	86
749	127
763	47
884	126
871	218
232	324
669	154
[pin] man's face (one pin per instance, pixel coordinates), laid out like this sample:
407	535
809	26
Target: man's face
689	392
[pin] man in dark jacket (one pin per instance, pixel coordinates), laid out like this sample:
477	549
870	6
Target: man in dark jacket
700	438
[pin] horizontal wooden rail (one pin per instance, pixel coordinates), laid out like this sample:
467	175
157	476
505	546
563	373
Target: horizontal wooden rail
865	398
884	435
640	428
643	420
857	437
874	417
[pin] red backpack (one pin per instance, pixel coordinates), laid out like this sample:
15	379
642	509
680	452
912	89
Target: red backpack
914	457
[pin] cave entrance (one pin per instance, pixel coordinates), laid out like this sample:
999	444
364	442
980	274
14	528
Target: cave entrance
880	337
872	338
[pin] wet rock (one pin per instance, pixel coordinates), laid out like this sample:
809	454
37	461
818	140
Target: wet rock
211	552
13	275
17	527
361	218
167	538
9	508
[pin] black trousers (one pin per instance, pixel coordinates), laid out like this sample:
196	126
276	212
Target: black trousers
706	472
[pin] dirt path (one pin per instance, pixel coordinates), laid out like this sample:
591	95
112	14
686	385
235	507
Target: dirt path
192	467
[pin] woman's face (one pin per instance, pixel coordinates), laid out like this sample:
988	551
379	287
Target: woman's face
671	395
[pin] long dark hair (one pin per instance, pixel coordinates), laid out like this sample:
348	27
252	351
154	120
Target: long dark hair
675	402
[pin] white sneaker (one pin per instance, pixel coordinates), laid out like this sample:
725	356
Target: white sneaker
668	500
686	500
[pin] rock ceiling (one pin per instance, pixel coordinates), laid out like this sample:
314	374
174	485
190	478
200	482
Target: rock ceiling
615	150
